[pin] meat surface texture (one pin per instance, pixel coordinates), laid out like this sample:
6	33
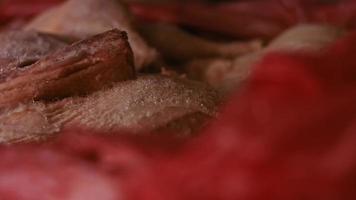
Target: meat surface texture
151	103
228	74
83	18
78	69
25	123
21	48
178	45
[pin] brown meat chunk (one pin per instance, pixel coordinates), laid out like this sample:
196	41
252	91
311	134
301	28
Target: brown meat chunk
84	18
25	123
151	103
78	69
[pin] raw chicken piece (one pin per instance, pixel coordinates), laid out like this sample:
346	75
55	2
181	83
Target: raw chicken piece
78	69
151	103
227	74
84	18
179	45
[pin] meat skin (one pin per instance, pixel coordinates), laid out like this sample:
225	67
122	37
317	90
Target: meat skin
79	69
149	104
229	74
84	18
22	48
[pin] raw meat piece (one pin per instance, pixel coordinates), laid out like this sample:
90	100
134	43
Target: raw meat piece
148	104
179	45
228	74
251	19
23	9
305	38
84	18
144	105
263	19
19	49
78	69
25	123
290	134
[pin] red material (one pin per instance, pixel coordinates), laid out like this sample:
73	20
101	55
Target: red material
245	18
290	134
263	19
250	19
